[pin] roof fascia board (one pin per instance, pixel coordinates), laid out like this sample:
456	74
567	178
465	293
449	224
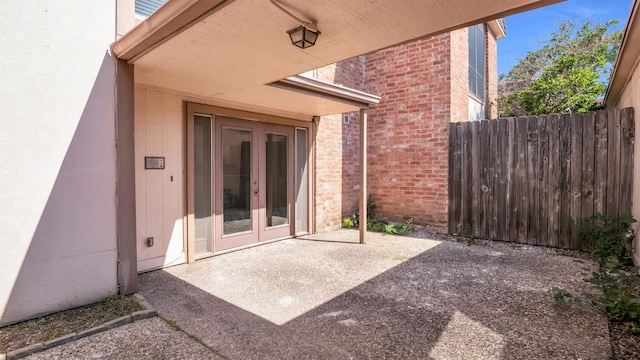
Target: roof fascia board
627	59
327	90
498	28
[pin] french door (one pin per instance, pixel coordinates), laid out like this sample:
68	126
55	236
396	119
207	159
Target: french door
243	185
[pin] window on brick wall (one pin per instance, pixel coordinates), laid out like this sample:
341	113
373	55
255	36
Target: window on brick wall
477	56
144	8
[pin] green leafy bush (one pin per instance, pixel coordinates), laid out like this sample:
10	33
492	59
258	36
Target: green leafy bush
561	295
608	237
617	285
618	295
376	225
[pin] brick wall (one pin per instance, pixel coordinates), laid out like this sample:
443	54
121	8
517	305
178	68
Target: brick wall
424	86
460	75
337	148
408	130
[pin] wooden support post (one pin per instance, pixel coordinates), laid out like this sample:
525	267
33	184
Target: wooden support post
363	175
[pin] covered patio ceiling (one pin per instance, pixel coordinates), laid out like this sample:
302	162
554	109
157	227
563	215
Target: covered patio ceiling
229	51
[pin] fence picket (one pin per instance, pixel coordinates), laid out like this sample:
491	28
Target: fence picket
533	182
512	203
613	151
626	158
543	171
553	231
492	173
601	158
521	173
501	181
588	165
576	179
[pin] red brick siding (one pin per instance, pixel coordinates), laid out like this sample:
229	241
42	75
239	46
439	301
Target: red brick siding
460	75
424	86
337	151
408	130
328	173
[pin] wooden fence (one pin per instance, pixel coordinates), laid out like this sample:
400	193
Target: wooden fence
532	179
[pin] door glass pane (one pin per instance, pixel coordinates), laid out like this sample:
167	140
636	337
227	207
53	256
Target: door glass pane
203	213
276	209
302	182
236	183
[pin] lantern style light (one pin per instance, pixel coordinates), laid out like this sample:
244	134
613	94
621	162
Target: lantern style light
303	37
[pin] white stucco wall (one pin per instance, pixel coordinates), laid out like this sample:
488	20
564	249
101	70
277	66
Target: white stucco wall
631	98
57	156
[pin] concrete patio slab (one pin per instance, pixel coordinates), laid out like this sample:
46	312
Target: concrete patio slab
324	296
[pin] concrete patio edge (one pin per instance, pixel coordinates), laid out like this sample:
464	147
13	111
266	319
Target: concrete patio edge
149	312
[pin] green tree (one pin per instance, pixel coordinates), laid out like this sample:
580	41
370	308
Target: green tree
566	74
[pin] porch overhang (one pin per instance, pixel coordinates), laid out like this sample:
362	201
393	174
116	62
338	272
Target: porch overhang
237	52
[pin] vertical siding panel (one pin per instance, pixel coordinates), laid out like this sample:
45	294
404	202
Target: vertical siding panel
154	177
140	100
576	178
172	209
553	228
626	160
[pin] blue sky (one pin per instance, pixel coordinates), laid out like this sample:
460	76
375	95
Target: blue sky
523	30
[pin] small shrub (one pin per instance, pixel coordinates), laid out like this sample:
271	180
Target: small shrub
376	225
618	295
467	235
608	236
617	285
348	223
560	296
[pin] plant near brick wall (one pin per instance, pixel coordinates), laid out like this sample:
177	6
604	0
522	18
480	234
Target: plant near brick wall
377	225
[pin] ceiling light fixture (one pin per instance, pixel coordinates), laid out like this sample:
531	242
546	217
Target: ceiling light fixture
303	36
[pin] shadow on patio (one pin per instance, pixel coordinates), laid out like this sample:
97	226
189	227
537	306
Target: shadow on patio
323	296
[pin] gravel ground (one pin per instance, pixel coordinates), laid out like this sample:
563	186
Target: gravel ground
624	345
